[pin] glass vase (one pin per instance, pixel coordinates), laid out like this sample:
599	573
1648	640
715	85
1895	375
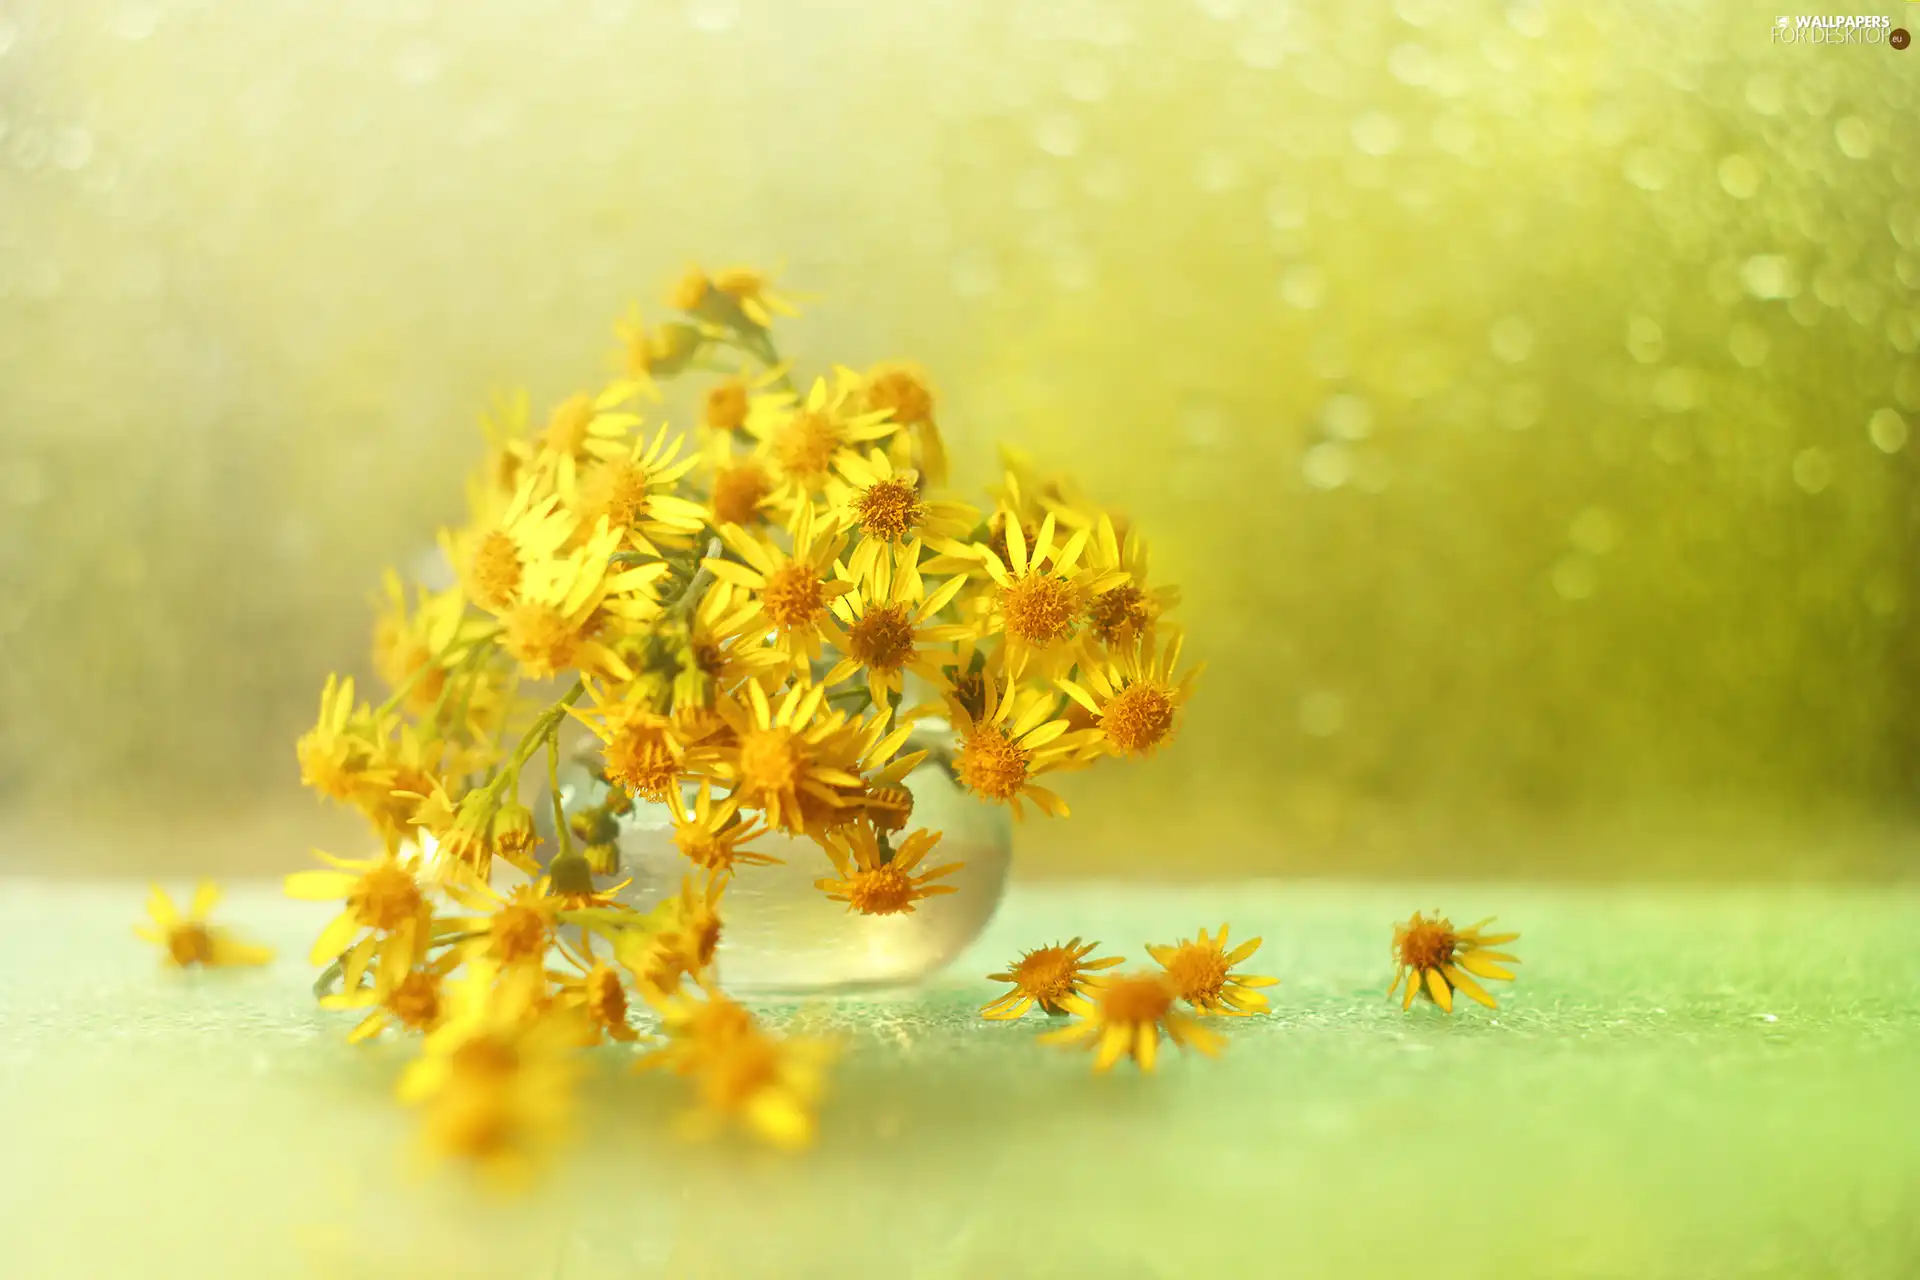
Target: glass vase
784	936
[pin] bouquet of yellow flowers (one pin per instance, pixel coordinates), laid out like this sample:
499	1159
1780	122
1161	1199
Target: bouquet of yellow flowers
759	625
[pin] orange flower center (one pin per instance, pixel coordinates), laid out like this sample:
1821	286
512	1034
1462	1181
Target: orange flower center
738	491
1139	718
1426	944
567	429
385	898
416	1001
1198	971
540	638
890	509
1119	611
770	761
882	891
496	571
519	932
805	446
904	395
793	597
1047	974
703	848
616	490
1039	609
190	944
640	759
606	998
727	405
882	638
991	764
1145	998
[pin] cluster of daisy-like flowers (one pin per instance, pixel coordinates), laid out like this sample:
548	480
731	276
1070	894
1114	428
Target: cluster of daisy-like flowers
1124	1016
764	622
766	628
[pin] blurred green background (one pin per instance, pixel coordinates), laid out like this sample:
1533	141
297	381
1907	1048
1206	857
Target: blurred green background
1522	393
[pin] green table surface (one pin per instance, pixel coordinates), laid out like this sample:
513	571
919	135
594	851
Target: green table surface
1683	1082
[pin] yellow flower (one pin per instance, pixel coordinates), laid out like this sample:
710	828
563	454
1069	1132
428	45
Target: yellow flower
462	841
412	768
190	941
782	755
513	929
889	510
491	560
691	291
1435	960
496	1077
720	648
772	1086
1121	615
887	623
699	1029
903	391
595	990
384	896
582	427
793	589
336	754
645	752
408	646
875	882
1042	598
1133	695
711	835
807	443
740	491
683	946
729	402
1201	972
1013	740
753	291
1125	1018
1046	976
414	1003
629	490
565	603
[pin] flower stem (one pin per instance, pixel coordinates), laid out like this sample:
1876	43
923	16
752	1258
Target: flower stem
561	833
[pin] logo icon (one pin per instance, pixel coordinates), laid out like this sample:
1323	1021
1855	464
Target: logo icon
1899	38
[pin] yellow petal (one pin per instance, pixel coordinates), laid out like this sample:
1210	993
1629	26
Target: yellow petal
161	908
1146	1040
319	886
204	897
1476	963
1437	987
231	951
1473	989
333	939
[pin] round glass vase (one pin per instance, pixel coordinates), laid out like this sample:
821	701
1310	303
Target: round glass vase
782	935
